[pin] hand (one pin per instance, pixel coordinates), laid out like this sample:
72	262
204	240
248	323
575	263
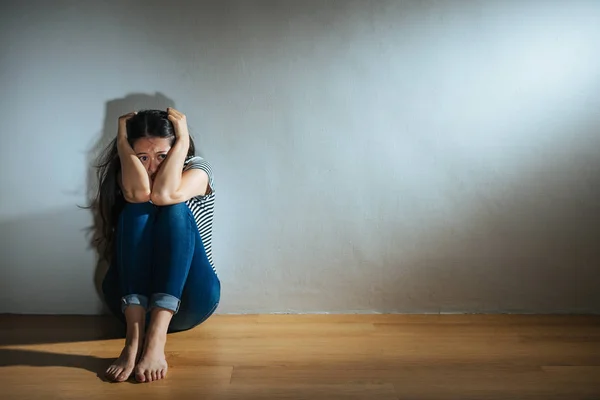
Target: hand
122	132
179	123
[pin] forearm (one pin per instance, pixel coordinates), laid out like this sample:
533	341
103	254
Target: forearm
135	182
168	179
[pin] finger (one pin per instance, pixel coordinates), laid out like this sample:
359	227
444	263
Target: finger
175	121
175	117
174	112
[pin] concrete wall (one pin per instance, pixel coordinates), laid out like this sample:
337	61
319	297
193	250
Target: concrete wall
370	156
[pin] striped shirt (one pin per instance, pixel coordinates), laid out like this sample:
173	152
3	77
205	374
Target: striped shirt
203	207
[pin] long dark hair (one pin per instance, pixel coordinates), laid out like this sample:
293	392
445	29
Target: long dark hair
109	200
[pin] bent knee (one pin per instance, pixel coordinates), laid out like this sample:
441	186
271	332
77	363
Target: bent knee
174	210
137	209
176	206
171	212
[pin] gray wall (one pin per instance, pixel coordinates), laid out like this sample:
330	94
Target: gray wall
384	156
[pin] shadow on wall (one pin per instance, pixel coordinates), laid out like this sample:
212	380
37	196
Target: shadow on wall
114	109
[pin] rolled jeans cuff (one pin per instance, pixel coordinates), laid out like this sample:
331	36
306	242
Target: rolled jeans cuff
166	301
134	300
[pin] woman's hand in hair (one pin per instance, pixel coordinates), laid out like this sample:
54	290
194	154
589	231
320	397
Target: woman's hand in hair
122	132
179	123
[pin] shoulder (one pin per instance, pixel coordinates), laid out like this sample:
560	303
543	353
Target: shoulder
193	160
197	162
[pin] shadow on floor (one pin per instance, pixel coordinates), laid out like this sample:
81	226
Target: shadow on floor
34	358
36	329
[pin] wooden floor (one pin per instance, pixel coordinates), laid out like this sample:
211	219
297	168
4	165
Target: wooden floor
314	357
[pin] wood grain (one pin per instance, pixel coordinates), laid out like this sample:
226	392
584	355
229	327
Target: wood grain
314	357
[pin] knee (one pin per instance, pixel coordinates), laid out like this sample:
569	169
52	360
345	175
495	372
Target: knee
179	210
136	213
138	208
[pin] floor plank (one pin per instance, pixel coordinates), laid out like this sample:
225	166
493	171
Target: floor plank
314	356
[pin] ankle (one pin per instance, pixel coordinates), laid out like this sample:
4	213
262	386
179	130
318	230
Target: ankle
133	341
155	341
134	332
156	337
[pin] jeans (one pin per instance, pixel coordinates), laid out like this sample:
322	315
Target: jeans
160	262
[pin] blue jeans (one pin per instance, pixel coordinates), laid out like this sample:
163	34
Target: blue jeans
160	262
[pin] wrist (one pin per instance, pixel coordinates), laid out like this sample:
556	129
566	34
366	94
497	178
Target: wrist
182	141
123	146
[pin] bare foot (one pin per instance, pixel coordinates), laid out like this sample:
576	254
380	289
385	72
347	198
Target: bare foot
122	368
153	364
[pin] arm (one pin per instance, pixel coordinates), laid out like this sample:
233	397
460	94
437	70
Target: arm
194	182
133	178
171	185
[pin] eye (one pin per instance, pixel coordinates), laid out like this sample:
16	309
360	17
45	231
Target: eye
162	156
143	158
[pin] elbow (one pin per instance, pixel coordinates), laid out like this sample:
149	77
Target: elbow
137	196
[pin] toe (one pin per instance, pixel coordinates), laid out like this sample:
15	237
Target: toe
113	372
148	376
124	375
139	376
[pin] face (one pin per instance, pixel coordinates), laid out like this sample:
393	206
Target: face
152	152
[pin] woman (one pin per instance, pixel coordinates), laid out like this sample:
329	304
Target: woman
156	200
